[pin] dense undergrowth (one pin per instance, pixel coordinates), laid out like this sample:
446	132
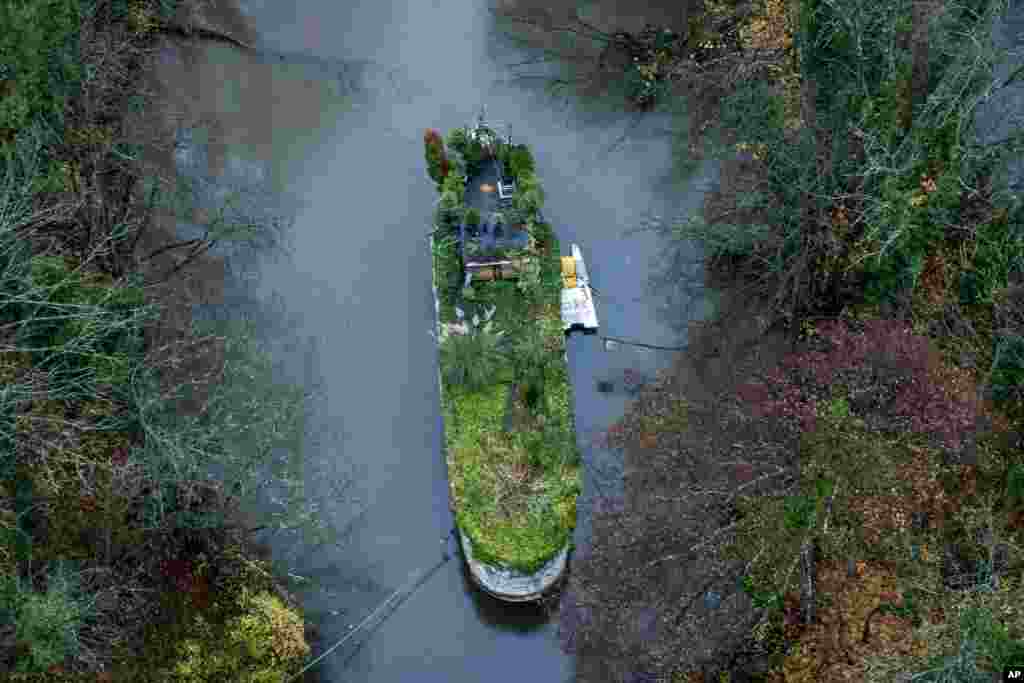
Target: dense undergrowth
120	557
851	508
513	485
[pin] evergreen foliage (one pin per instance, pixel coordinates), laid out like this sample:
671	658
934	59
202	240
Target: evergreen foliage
529	197
47	623
39	67
519	161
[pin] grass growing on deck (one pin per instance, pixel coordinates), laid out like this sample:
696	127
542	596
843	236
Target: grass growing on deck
514	492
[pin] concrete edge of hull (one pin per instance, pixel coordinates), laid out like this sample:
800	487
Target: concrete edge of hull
510	585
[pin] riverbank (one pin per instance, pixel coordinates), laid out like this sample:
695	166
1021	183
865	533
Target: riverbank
121	559
826	488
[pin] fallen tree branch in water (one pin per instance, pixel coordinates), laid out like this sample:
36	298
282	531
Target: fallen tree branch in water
204	32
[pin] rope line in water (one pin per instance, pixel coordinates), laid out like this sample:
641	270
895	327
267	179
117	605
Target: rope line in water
617	340
646	346
405	591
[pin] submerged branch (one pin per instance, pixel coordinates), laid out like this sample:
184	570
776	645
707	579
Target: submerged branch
204	32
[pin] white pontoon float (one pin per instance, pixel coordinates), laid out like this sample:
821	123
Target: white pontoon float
578	310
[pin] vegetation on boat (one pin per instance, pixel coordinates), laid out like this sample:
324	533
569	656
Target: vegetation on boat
507	401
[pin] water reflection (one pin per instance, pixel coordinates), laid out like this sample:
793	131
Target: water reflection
508	617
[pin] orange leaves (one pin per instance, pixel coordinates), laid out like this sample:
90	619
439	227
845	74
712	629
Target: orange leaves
199	592
432	137
932	282
769	31
1015	519
960	385
880	516
437	160
927	494
833	648
969	480
840	217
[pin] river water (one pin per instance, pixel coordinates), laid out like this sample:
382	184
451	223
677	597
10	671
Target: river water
329	115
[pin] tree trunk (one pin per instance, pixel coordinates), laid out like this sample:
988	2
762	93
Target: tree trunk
903	45
203	32
808	204
808	580
919	45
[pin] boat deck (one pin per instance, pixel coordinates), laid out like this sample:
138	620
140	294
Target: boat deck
491	235
484	202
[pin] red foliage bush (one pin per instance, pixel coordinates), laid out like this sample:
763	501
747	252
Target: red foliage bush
179	572
437	161
779	398
432	137
885	353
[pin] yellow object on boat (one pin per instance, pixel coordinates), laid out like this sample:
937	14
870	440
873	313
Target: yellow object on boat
568	272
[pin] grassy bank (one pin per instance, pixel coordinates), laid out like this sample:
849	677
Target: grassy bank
513	463
120	557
